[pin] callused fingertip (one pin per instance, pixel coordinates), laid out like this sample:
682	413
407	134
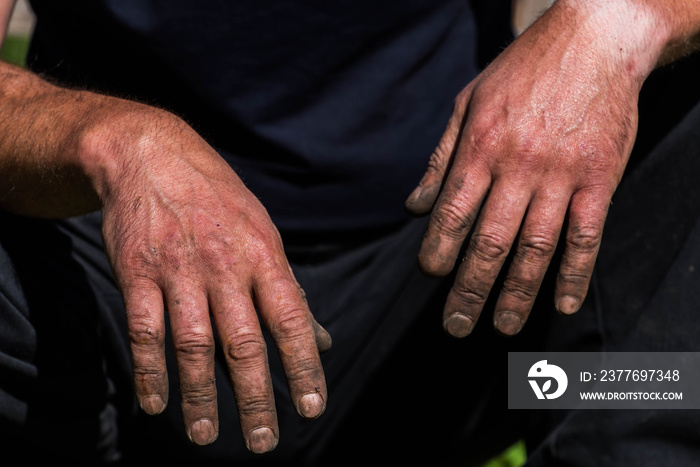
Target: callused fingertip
458	325
152	405
568	305
261	440
203	432
508	323
311	405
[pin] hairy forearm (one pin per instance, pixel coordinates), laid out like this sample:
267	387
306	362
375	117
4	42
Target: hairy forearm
39	123
682	24
59	148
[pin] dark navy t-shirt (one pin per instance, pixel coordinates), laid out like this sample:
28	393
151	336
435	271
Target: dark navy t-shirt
328	110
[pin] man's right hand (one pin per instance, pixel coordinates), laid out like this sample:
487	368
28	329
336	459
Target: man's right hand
184	234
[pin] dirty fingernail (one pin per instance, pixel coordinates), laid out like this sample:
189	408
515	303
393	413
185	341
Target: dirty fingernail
508	323
415	194
152	405
261	440
311	405
568	304
458	325
324	342
203	432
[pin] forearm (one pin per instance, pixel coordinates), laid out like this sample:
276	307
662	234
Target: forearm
39	124
59	147
682	20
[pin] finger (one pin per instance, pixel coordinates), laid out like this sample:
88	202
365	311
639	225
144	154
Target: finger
423	197
324	342
538	240
146	325
487	250
246	356
587	213
452	219
290	323
193	342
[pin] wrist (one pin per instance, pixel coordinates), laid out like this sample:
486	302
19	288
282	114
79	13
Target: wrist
639	35
116	139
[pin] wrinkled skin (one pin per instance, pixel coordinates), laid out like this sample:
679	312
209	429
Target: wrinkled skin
536	145
184	234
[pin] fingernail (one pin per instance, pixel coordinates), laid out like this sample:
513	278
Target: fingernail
311	405
415	194
508	323
202	432
568	304
261	440
152	405
458	325
324	342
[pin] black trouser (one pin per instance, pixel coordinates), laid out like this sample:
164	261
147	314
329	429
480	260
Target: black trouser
397	382
646	290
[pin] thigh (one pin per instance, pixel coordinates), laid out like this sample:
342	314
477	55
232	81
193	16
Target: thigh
56	398
645	297
399	387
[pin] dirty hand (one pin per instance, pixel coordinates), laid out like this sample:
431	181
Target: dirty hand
536	144
184	234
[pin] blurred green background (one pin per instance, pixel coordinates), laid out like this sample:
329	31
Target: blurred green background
14	50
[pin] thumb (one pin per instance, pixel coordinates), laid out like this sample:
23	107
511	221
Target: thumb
423	197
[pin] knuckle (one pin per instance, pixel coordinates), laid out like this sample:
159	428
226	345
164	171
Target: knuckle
198	395
265	253
216	251
489	247
536	249
252	243
602	156
584	239
437	163
485	135
195	346
303	368
247	348
453	218
149	378
572	276
144	333
147	383
523	291
138	261
254	404
531	151
469	297
291	323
